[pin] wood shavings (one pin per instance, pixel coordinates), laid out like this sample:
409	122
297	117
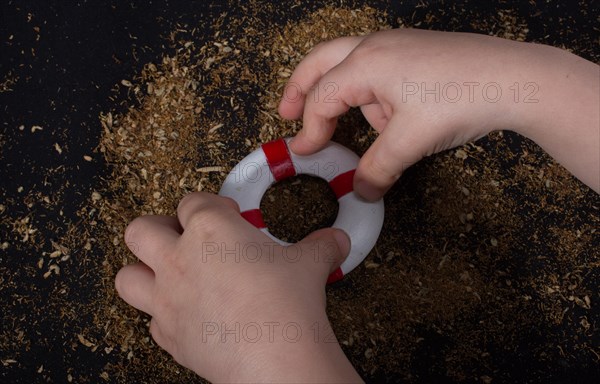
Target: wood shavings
84	341
445	275
211	169
294	42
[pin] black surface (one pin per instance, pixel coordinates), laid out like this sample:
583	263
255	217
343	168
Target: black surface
69	72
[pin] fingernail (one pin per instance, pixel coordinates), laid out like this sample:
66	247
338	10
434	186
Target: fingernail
343	241
368	191
291	144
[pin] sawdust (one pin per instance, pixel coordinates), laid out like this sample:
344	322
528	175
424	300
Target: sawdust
486	269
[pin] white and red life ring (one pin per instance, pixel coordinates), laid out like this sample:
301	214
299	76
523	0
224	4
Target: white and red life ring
361	220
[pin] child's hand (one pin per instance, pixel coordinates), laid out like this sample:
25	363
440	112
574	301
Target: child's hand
227	302
427	91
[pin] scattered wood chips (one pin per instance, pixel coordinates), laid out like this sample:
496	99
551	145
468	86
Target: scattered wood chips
487	269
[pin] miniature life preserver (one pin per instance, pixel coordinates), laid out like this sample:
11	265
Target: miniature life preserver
273	161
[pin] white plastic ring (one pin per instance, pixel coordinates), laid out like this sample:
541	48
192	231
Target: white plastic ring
272	162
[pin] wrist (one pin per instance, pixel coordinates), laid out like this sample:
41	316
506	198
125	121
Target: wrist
565	118
295	351
562	90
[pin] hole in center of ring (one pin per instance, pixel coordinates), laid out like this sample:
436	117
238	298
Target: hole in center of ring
297	206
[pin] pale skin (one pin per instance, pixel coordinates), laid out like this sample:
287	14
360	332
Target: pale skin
186	288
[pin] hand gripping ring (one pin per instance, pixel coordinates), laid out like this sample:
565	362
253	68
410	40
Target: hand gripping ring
360	219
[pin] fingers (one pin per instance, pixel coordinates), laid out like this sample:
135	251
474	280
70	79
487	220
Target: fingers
328	249
375	115
135	285
193	204
400	145
339	89
318	62
148	236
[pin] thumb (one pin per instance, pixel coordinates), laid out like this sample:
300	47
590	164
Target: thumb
327	249
397	148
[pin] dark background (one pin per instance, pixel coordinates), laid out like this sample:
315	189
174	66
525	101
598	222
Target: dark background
67	59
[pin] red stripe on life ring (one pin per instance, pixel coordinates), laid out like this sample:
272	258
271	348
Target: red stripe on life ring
342	183
254	217
335	276
279	160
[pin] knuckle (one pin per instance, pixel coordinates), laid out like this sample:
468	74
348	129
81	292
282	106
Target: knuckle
206	219
188	200
133	229
379	168
320	47
179	267
314	137
367	50
229	202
